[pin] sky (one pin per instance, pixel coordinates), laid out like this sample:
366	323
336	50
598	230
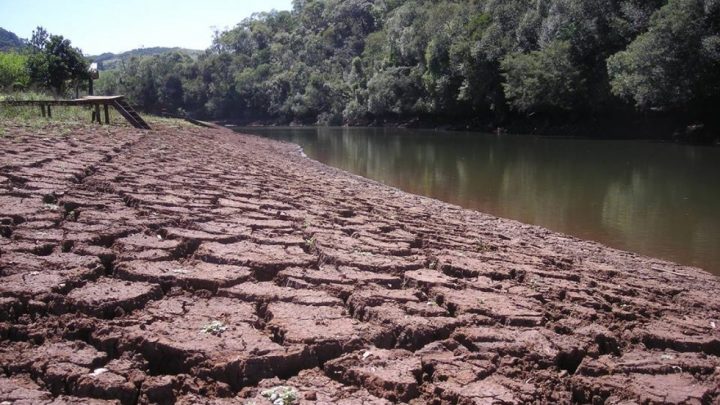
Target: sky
98	26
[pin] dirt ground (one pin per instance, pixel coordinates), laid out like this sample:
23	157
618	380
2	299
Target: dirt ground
199	266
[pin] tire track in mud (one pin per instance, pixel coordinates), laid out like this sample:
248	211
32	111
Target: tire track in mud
196	265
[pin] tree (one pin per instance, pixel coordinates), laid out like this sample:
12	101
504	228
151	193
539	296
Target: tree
675	62
13	73
54	63
543	79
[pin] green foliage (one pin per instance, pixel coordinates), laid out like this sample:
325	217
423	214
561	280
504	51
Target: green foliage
543	79
110	61
10	42
54	63
675	62
13	71
62	116
362	61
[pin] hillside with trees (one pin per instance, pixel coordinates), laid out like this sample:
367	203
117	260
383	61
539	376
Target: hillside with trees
109	61
481	63
9	41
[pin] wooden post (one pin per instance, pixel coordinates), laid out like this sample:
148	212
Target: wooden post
97	113
107	114
42	108
49	111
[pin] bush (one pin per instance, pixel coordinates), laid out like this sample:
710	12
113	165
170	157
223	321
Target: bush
13	71
544	79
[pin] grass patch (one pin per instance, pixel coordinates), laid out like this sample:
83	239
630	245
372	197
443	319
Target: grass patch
65	118
173	123
32	115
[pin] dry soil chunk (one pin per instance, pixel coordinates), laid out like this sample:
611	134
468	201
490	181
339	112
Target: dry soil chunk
429	278
24	357
21	391
646	362
314	387
492	390
453	364
682	335
106	384
195	235
270	292
264	260
33	285
339	240
71	400
391	374
69	264
16	207
540	346
37	276
326	275
141	241
60	365
107	295
678	388
373	261
411	331
362	276
505	308
374	296
178	334
193	274
329	331
468	265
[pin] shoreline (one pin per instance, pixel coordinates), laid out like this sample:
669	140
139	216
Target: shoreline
627	132
205	265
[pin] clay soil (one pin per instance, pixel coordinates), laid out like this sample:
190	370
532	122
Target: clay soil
199	266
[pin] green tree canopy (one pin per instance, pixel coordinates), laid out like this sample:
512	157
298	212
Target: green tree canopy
54	63
13	70
676	62
543	79
485	61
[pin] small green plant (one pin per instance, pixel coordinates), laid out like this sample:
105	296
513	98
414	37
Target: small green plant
310	243
281	395
214	328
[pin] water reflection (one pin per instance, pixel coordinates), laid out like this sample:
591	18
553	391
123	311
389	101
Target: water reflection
652	198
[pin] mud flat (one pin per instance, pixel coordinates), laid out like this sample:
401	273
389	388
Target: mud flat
197	266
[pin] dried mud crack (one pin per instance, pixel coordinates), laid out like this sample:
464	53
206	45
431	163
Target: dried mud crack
187	265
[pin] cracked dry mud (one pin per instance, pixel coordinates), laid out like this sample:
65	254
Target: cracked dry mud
200	266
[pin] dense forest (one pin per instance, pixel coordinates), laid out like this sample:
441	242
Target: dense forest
526	65
479	63
110	61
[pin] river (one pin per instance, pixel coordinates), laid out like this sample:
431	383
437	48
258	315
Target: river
653	198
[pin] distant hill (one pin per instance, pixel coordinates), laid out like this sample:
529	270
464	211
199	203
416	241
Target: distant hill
9	41
109	61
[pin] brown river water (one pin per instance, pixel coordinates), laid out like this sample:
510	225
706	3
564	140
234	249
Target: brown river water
657	199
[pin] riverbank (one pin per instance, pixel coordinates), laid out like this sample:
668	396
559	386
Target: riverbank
195	264
649	126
